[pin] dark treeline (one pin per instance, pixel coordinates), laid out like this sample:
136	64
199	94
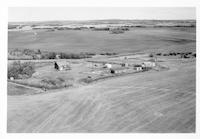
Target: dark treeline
38	54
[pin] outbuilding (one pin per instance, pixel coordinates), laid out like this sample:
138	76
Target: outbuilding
149	64
124	64
58	56
138	67
109	66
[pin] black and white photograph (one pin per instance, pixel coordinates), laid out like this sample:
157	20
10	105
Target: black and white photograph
101	70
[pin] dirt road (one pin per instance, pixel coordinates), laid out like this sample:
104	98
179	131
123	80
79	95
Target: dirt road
144	102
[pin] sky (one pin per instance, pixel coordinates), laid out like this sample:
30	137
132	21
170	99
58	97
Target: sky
94	13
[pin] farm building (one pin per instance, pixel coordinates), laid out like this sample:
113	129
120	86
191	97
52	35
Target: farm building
57	56
148	64
61	66
138	67
120	70
109	66
124	64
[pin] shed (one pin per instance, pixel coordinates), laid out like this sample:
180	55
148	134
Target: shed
109	66
124	64
57	56
149	64
119	70
138	68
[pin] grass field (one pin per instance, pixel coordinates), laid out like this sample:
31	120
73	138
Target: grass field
137	39
144	102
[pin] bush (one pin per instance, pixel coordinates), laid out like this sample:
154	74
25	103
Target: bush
75	56
108	53
159	54
112	71
28	52
38	54
20	70
172	54
150	55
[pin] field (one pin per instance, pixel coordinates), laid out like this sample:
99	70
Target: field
156	101
137	39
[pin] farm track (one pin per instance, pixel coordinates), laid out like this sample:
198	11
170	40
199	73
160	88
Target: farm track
147	102
26	86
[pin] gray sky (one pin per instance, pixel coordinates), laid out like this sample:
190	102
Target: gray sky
92	13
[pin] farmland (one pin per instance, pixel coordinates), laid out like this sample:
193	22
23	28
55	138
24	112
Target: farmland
137	39
144	102
88	97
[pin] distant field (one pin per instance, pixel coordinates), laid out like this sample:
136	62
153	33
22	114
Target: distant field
137	39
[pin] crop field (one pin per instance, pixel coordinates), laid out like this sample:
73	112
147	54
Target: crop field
137	39
156	102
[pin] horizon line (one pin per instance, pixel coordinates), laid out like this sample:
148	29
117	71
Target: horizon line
98	20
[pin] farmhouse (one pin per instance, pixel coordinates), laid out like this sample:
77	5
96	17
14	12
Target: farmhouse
61	66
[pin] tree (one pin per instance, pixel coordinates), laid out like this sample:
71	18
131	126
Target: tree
18	70
38	51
